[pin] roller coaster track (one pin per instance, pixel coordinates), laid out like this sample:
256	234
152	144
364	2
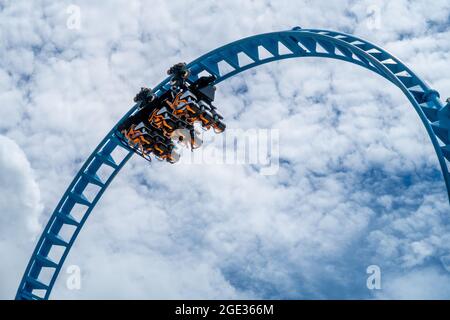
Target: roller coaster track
63	227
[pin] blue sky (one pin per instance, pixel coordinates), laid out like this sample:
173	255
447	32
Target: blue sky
358	185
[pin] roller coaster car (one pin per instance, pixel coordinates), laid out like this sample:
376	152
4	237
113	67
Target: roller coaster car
161	121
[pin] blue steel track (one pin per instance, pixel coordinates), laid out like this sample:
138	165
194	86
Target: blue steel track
296	43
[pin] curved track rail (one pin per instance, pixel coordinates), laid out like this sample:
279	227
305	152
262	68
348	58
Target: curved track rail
63	227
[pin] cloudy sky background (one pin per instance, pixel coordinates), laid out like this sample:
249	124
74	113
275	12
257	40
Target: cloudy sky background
359	183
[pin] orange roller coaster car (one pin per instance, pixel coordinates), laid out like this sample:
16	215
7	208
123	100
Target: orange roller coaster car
155	127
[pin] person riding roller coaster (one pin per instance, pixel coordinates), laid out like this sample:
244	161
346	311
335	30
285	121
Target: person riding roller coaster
168	118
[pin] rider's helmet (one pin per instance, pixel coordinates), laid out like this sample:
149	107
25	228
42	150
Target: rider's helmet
179	74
